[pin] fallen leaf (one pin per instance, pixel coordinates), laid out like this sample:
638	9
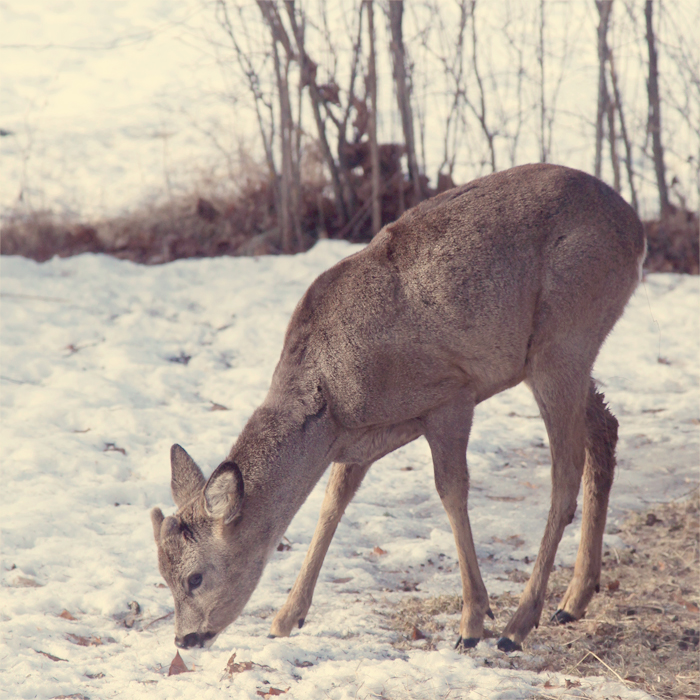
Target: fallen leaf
379	551
177	666
233	667
572	684
687	604
613	585
302	664
66	615
84	641
416	634
528	485
549	684
514	540
50	656
217	407
270	692
239	667
341	580
23	582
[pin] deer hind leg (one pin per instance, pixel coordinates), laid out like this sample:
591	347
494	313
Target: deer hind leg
560	392
447	431
344	481
598	471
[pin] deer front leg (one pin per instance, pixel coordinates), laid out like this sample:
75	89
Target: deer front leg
344	481
447	431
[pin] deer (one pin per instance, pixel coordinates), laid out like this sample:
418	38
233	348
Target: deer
515	277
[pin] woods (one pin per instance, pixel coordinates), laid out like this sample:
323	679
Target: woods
485	83
348	112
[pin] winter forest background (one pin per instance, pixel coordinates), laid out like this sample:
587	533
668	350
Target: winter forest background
157	131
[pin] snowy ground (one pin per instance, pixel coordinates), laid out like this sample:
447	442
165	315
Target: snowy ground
96	387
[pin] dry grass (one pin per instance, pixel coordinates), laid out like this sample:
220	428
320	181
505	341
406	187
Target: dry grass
642	629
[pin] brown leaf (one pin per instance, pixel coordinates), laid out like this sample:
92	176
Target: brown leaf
66	615
177	666
514	540
379	551
270	692
233	667
23	582
613	585
687	604
549	684
341	580
218	407
572	684
50	656
84	641
416	634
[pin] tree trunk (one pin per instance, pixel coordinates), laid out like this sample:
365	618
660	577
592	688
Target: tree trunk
308	72
373	145
403	94
655	109
623	129
604	7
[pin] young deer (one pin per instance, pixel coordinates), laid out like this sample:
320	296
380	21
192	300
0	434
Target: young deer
518	276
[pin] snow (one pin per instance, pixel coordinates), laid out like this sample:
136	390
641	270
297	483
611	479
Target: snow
95	389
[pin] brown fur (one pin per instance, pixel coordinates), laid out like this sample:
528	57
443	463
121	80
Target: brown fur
518	276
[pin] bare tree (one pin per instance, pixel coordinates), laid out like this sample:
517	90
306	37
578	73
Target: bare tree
373	145
623	129
604	8
403	94
654	123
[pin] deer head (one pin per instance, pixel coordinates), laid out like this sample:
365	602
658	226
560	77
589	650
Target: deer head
208	554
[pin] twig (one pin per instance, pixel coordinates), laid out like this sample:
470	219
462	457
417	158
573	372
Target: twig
612	670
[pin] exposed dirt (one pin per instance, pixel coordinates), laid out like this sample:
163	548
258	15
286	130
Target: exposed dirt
642	628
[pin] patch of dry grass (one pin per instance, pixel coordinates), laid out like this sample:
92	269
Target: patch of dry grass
642	629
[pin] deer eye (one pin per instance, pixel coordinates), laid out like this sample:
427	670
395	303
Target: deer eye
194	581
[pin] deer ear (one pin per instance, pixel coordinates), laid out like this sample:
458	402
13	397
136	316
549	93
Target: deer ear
157	521
187	479
223	494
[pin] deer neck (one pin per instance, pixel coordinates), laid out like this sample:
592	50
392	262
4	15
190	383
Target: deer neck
282	454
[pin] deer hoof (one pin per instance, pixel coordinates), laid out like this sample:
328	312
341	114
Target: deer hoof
301	622
561	617
508	645
489	612
468	643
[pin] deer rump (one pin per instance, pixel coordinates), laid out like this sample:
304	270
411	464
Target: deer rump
518	276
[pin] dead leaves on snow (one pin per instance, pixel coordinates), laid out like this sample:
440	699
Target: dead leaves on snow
177	666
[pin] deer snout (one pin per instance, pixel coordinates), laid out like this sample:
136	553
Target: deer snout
194	639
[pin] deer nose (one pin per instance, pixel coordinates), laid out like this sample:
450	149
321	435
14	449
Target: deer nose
194	639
